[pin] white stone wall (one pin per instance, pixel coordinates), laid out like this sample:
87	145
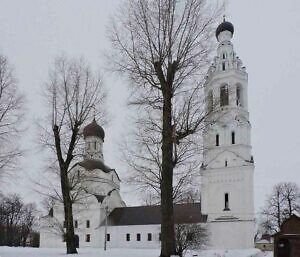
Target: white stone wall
231	235
118	236
94	148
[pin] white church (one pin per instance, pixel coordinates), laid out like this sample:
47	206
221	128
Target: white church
226	208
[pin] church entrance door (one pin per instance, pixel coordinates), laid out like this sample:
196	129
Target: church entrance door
283	248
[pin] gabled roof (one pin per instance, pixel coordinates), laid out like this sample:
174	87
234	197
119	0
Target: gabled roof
146	215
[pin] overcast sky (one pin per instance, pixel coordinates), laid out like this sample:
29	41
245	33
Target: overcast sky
267	39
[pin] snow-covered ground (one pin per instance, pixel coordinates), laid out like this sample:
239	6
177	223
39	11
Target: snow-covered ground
44	252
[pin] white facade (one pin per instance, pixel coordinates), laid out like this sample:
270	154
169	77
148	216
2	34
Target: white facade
227	172
227	169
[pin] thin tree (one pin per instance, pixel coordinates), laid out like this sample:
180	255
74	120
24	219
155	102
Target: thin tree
11	118
282	203
190	237
72	92
164	47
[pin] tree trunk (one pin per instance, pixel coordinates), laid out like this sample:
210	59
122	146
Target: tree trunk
278	211
70	235
65	188
167	224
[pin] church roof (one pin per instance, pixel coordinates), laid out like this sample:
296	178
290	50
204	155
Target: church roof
224	26
146	215
89	164
94	129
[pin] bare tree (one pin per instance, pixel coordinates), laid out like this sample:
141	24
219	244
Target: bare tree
11	117
164	47
16	220
28	220
280	205
190	237
73	91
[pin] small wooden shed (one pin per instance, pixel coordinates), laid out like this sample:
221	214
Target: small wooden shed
287	241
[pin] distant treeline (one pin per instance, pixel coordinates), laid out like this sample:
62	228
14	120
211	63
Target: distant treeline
17	221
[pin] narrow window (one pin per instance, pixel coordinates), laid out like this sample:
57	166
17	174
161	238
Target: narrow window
95	145
224	55
87	223
224	98
138	237
217	140
76	224
127	237
149	237
88	238
210	101
226	163
223	66
238	96
226	202
233	137
107	237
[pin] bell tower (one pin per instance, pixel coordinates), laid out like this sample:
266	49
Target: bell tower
228	166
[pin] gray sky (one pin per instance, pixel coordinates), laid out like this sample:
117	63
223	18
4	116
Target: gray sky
267	39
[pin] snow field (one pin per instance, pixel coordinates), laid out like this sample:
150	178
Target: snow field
58	252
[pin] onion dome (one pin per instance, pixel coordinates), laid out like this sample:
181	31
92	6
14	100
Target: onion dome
224	26
93	129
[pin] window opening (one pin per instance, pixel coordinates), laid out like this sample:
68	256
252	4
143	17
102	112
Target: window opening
239	96
149	237
95	145
233	137
226	163
217	140
107	237
88	238
127	237
210	101
226	202
223	66
87	223
224	98
138	237
76	224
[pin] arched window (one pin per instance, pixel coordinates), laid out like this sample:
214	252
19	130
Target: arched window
233	137
224	98
210	101
217	140
226	202
239	95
